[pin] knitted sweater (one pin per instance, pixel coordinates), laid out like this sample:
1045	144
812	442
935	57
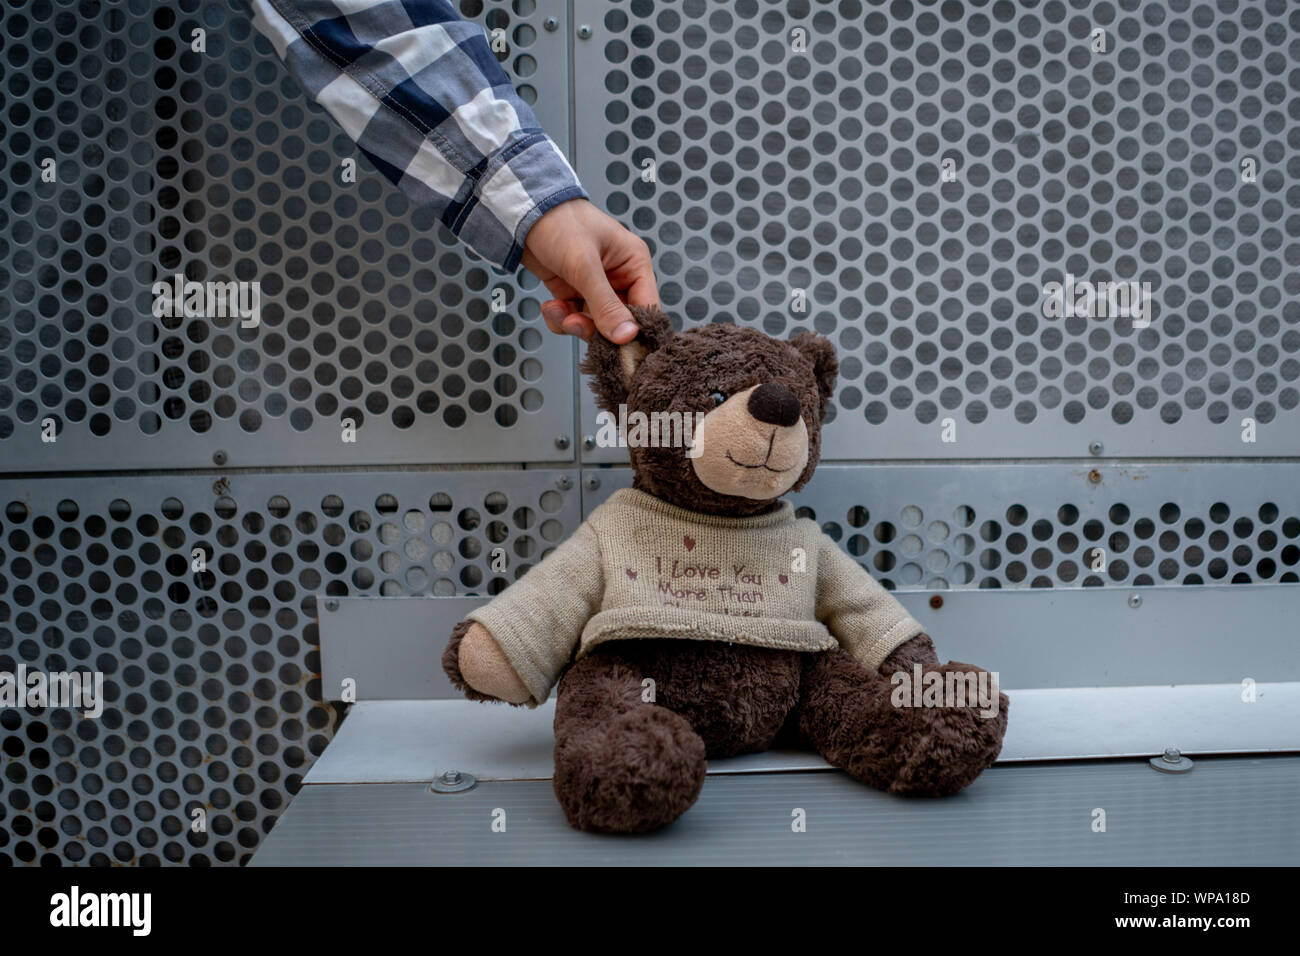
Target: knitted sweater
642	567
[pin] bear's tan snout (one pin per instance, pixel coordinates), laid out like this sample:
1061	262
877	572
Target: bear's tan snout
754	445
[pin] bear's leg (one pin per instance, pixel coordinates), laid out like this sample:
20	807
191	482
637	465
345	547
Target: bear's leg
621	765
846	714
733	695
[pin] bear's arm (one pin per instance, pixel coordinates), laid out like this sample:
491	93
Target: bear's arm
867	620
538	620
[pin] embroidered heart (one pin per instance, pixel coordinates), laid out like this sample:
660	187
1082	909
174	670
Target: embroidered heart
630	573
689	542
783	579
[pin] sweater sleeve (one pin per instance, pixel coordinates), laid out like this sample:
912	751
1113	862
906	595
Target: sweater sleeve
423	96
867	620
538	620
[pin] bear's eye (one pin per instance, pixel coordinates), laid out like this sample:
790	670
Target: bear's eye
718	397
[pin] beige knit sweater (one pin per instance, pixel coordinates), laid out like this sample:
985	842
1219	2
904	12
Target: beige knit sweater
641	567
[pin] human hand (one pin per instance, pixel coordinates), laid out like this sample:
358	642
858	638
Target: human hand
595	269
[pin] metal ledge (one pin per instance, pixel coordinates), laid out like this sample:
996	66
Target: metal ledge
412	741
1235	811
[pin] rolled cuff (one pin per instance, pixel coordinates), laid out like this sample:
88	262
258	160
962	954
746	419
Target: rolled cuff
872	652
537	672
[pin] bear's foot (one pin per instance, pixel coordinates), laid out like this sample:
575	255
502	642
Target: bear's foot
848	716
637	771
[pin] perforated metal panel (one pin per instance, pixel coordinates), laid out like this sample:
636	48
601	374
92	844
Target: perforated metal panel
212	676
797	149
1004	526
216	166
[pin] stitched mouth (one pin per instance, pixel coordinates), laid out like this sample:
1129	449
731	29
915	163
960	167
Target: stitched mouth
761	464
764	463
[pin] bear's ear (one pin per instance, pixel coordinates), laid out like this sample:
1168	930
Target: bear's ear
818	350
611	366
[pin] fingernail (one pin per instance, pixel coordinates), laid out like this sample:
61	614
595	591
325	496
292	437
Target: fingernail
627	328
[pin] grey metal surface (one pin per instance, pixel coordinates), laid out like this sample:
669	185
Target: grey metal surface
1228	811
217	166
392	648
989	525
400	741
214	698
779	170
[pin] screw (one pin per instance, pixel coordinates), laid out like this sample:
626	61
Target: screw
563	483
552	24
561	442
219	457
936	601
1135	600
451	777
584	32
1095	447
592	483
1094	477
589	442
331	605
1171	761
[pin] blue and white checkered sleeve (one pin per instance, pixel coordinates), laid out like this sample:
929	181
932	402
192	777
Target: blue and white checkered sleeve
420	92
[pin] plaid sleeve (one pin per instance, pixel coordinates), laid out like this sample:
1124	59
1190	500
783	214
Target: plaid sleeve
420	92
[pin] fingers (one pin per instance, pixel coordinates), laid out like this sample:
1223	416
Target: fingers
555	312
612	318
643	290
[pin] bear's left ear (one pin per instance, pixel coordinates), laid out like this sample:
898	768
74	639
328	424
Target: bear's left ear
818	350
612	367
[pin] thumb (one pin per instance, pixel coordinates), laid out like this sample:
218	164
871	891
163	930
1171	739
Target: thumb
612	318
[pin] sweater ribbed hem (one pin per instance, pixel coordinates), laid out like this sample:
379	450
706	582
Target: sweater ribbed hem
635	498
690	624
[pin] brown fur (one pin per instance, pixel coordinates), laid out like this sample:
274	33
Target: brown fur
627	764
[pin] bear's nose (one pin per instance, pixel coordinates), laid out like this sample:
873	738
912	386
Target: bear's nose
775	405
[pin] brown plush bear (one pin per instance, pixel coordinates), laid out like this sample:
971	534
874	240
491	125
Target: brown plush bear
694	616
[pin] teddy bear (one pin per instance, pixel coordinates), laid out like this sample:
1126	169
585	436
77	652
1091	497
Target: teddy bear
695	616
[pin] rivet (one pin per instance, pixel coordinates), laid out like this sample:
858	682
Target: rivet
219	458
552	24
1135	600
589	442
331	605
592	483
1094	477
1096	448
936	601
563	483
584	32
1171	761
561	442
